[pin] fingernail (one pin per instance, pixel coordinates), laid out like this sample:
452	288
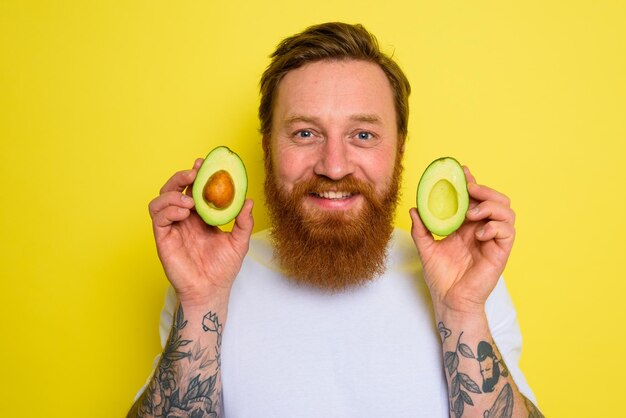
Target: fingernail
186	199
475	210
480	232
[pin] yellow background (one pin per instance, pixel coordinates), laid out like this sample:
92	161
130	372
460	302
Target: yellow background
100	102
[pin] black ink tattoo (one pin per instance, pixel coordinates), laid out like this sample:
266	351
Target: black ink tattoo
461	385
445	332
211	323
185	391
503	406
459	381
489	367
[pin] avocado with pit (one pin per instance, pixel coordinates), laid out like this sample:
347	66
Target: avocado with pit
219	190
442	198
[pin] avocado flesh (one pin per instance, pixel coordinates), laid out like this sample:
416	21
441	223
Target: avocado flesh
442	198
220	188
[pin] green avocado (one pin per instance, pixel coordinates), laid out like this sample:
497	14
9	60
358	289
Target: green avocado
442	198
219	190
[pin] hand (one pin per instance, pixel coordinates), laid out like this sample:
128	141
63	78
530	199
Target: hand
199	260
462	269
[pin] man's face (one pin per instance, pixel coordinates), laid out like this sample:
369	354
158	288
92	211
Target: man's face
490	371
486	368
334	119
333	172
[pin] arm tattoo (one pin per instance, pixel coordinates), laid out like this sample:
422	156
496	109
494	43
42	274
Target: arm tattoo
460	383
490	368
186	382
462	387
503	406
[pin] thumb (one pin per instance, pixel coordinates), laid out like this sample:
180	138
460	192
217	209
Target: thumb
243	225
422	237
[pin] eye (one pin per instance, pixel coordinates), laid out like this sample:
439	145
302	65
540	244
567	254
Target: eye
304	133
364	135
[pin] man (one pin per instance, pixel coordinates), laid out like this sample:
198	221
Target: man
331	313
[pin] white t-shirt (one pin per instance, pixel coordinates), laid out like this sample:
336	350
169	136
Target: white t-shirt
291	351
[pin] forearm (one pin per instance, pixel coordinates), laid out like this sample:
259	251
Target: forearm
188	378
479	384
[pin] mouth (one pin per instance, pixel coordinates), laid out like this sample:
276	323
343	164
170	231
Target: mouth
334	200
332	195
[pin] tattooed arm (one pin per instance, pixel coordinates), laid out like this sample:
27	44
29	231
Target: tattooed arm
187	381
201	262
461	271
479	383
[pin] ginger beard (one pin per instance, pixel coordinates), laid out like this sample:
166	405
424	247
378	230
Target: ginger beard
334	250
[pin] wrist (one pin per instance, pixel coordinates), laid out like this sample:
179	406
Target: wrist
460	317
202	300
456	304
199	316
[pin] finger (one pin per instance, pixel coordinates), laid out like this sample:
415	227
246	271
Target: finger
166	217
196	166
491	210
422	237
468	175
244	222
483	193
179	181
169	199
494	230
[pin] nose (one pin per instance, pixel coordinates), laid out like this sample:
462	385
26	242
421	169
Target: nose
334	160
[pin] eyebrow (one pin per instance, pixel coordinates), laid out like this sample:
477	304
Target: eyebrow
290	120
367	117
361	117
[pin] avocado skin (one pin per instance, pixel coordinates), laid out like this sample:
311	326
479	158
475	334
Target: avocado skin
446	168
220	158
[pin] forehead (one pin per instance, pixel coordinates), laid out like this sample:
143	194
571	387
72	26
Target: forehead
335	89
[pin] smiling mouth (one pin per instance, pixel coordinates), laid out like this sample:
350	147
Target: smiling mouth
333	195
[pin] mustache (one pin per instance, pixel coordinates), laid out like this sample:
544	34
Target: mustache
319	184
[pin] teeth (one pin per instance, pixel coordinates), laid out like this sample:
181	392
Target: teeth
334	195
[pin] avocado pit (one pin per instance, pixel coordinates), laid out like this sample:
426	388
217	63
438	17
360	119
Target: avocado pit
219	190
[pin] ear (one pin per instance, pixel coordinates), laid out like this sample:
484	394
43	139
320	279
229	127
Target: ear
265	142
267	152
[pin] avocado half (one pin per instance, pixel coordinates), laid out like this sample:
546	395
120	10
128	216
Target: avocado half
442	198
219	190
